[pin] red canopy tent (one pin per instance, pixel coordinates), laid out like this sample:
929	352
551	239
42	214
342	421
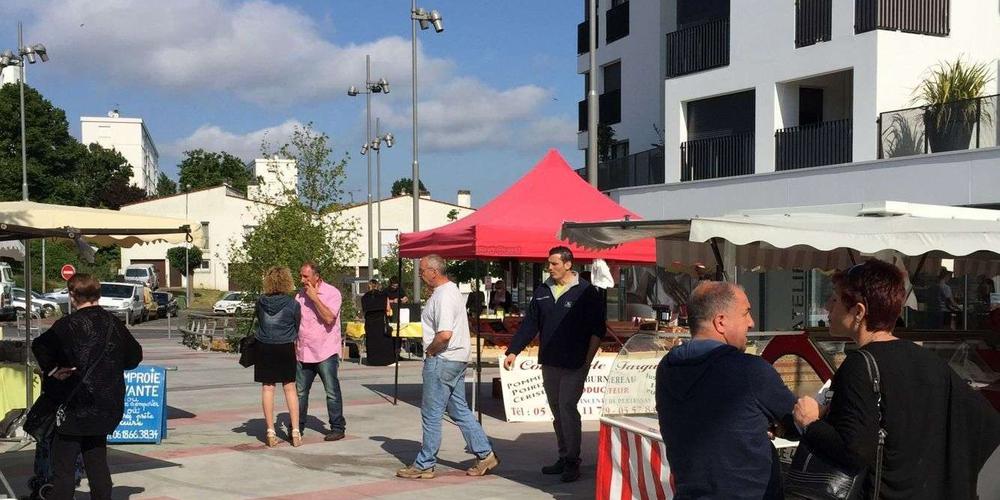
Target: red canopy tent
523	222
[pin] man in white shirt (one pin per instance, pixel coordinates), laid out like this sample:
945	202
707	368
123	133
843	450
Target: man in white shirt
446	348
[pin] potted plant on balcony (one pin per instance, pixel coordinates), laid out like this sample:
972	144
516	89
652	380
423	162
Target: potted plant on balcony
951	110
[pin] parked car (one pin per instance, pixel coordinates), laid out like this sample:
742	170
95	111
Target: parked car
7	311
166	304
19	305
48	306
60	297
149	305
123	300
142	273
231	303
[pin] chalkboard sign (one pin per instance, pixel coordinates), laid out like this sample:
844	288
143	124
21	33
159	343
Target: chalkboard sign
145	407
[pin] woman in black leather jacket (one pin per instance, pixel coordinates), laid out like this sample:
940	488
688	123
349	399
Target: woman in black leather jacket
278	316
90	337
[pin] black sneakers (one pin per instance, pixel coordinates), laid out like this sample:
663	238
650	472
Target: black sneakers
571	471
556	468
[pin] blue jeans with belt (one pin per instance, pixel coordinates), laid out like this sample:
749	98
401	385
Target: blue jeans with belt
327	371
444	389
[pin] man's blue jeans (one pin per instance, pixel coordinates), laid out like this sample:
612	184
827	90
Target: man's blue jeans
305	374
444	388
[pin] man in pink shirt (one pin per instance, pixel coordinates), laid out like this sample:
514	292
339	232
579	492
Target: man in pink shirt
318	347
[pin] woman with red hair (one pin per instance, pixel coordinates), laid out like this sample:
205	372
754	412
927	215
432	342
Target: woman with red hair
938	432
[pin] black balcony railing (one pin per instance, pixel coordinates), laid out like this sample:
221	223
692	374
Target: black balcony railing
953	126
639	169
609	109
826	143
616	23
698	47
813	19
925	17
716	157
583	37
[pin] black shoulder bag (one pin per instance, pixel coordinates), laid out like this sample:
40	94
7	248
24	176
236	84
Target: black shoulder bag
44	416
248	344
813	477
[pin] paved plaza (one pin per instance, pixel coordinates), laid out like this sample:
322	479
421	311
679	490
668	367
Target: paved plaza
215	450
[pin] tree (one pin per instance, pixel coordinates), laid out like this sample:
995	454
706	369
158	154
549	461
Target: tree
452	214
60	169
605	139
202	169
404	186
176	256
165	186
306	227
59	251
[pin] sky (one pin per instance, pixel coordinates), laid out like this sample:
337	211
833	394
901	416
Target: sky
497	89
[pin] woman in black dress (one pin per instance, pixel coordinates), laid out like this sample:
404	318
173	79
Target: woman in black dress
278	316
938	431
378	342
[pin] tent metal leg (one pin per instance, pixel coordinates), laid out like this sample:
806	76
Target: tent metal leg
398	342
720	270
479	362
29	379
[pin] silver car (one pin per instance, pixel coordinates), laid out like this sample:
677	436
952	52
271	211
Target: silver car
48	306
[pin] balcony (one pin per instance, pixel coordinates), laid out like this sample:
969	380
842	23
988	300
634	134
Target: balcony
953	126
826	143
716	157
609	109
924	17
583	37
616	23
698	47
813	19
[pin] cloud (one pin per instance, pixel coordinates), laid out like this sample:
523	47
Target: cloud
245	146
550	131
262	52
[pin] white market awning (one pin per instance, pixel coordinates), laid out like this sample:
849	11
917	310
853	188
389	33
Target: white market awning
12	249
816	237
25	220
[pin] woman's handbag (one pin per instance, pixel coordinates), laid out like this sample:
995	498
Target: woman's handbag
813	477
45	416
248	345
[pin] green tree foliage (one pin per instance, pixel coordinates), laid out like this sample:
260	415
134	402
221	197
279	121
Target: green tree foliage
165	186
176	256
202	169
59	251
452	214
306	227
404	186
60	169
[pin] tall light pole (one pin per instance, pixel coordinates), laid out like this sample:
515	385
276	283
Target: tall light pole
592	102
376	144
425	20
381	86
187	252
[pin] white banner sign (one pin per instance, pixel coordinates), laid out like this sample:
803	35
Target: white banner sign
524	397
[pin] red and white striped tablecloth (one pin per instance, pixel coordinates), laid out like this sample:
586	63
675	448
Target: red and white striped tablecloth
631	463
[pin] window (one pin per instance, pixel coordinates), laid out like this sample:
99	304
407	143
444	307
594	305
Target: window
204	233
615	3
205	263
618	150
810	106
612	77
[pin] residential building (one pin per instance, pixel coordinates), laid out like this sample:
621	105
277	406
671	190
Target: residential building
631	68
131	138
803	103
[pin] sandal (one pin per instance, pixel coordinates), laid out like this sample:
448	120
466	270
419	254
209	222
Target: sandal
272	438
296	438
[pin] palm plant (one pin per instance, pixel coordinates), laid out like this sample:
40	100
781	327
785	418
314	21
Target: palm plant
949	95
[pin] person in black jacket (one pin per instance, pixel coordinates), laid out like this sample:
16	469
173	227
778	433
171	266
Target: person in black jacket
90	337
278	316
567	314
716	403
938	431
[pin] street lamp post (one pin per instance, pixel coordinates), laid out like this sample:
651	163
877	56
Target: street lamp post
425	20
376	144
187	252
381	86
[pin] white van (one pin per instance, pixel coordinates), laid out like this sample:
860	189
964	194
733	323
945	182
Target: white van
142	273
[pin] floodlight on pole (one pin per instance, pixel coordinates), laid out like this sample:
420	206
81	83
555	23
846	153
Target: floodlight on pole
421	17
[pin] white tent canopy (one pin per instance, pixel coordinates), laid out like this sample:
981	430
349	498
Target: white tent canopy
98	226
816	237
12	249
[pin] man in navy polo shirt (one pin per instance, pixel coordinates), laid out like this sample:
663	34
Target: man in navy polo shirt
567	313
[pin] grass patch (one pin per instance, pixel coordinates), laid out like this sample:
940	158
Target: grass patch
201	298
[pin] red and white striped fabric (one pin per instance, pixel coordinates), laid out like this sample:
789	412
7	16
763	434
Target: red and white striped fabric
631	466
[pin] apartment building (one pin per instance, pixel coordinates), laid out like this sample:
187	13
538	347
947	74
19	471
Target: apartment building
131	138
